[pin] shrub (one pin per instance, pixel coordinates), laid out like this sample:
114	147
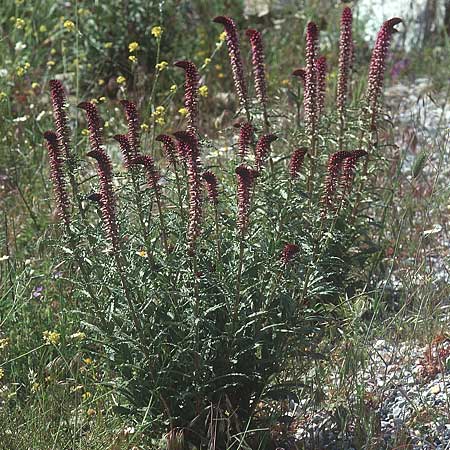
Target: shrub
204	276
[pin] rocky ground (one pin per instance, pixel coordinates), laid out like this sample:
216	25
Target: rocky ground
407	403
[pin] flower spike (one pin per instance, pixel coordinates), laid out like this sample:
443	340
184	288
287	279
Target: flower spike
234	54
192	79
57	176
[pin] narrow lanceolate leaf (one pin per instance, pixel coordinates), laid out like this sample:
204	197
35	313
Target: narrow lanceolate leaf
419	163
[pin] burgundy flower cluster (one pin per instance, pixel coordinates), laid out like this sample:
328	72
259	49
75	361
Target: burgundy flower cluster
332	177
296	162
245	138
57	176
190	143
107	199
378	65
133	128
105	174
191	84
262	150
234	54
348	170
288	253
245	179
58	99
310	96
126	150
94	125
345	57
258	65
211	186
341	172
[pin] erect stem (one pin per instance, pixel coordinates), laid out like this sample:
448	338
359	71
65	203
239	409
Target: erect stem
239	276
178	183
216	220
163	226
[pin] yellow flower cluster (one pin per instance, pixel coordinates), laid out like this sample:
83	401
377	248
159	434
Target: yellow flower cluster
161	65
173	88
2	373
183	111
4	342
121	79
157	31
51	337
20	23
133	46
203	91
158	115
22	70
69	25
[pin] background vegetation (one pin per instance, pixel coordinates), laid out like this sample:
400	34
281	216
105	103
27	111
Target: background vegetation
384	274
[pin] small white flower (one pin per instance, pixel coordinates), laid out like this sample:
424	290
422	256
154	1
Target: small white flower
19	46
20	119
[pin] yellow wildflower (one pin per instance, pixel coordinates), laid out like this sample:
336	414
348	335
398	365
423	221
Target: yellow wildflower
102	99
35	387
161	66
20	23
4	342
34	85
132	58
159	111
183	111
157	31
50	63
133	46
94	101
87	361
42	29
85	132
108	44
87	395
106	124
101	82
142	253
3	95
207	61
222	36
26	66
173	88
160	120
69	25
203	91
218	67
53	51
20	71
2	373
220	75
121	79
144	127
51	337
285	82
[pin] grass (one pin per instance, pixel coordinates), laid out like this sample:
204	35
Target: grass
56	392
